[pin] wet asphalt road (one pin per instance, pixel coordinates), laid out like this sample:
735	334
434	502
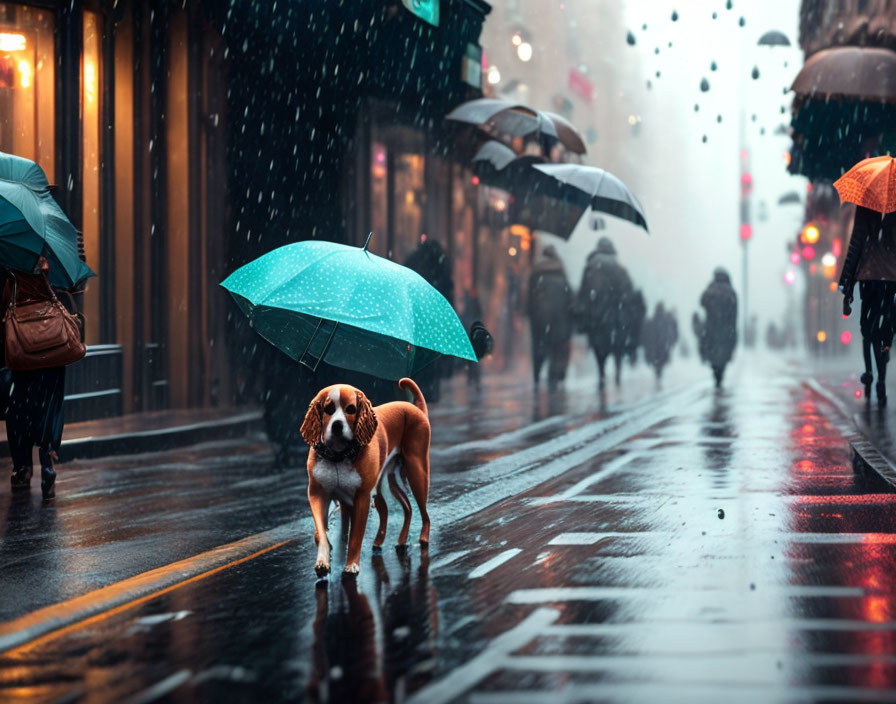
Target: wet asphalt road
680	544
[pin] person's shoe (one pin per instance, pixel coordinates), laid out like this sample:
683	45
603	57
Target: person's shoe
21	479
881	393
866	379
48	482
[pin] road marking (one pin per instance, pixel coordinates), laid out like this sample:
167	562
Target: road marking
592	538
63	617
557	594
687	693
470	673
160	689
522	471
447	559
494	563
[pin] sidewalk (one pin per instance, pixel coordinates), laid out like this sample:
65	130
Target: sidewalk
153	431
868	428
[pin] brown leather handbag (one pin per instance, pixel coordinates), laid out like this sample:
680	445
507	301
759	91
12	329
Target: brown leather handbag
40	332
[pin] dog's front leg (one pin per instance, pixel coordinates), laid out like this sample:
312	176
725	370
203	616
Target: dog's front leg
356	535
320	502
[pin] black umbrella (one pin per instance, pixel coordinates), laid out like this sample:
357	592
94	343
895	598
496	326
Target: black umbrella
589	186
774	38
791	197
501	117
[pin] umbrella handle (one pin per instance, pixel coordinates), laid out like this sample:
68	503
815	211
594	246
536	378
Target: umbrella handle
325	349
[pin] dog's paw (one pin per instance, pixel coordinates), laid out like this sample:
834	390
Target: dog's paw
352	568
321	568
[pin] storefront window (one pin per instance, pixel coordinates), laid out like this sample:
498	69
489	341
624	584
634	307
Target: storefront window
379	199
408	204
91	112
26	84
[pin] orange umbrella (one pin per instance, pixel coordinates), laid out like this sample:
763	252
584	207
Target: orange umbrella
871	183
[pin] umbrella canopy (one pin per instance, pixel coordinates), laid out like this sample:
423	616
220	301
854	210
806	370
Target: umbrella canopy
32	225
774	38
594	187
493	155
567	134
849	71
495	115
870	183
319	300
499	116
791	197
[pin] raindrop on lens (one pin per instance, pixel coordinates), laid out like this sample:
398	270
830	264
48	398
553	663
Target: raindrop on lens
755	73
704	85
713	66
741	21
674	16
630	38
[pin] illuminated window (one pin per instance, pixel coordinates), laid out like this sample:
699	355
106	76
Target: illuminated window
27	84
91	115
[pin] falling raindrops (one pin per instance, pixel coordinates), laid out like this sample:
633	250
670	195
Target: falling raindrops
696	107
704	85
742	21
755	73
715	15
674	15
729	5
649	84
644	27
657	74
762	130
705	139
656	51
718	118
753	117
713	66
630	38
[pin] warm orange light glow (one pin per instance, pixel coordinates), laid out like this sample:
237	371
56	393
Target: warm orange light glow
519	231
89	81
833	286
821	336
811	233
24	74
512	251
12	42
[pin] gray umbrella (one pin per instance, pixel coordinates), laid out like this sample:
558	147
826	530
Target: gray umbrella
593	187
494	154
500	116
774	38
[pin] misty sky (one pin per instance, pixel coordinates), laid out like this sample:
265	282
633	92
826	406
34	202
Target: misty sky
690	189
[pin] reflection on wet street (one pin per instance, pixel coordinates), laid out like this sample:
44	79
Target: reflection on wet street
680	547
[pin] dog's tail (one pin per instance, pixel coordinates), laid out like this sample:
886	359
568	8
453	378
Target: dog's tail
409	385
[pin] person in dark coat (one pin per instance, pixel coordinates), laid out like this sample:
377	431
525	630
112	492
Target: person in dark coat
871	260
660	333
602	303
549	304
633	321
717	334
431	261
34	415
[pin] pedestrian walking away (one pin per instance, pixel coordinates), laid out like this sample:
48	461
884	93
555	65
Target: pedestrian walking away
717	332
871	260
660	334
549	305
601	305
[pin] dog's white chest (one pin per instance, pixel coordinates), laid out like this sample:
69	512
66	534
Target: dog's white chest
338	479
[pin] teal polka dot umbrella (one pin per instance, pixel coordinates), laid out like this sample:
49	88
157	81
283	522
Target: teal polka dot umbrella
325	301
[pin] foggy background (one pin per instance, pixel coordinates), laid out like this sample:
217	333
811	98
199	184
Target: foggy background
649	134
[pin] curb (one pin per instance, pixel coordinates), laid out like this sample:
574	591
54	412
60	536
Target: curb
867	459
156	440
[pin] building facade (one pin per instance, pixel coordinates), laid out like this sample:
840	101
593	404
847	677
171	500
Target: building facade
187	138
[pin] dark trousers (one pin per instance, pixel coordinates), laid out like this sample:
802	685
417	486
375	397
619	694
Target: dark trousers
35	414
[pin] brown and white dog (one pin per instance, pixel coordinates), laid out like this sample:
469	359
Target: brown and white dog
354	447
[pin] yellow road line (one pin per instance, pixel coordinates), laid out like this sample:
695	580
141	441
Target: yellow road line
28	631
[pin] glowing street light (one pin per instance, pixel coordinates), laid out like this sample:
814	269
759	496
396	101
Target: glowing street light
524	51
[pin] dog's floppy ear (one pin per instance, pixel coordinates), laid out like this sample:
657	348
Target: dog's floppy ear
365	425
311	429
